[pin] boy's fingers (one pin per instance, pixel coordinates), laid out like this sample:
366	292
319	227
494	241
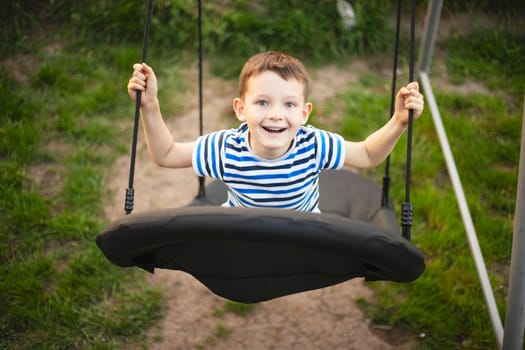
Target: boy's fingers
136	86
138	75
404	92
413	85
146	69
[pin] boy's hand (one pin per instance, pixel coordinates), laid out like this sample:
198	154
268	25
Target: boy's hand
143	79
407	98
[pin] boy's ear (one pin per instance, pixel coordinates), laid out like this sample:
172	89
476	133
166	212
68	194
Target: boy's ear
238	107
307	109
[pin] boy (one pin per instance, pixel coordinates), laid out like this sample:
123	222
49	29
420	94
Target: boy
272	160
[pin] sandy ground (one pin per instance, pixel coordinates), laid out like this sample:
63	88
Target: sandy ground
197	319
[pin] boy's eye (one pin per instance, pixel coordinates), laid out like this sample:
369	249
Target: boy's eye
291	104
262	103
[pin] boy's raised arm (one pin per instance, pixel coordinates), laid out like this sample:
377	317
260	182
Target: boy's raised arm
162	147
377	146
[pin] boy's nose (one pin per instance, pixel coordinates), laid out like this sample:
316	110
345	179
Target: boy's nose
276	113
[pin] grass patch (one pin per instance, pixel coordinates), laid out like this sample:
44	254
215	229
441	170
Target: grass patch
491	56
58	290
240	309
221	332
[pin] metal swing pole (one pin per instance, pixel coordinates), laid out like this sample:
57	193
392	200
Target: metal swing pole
431	26
515	316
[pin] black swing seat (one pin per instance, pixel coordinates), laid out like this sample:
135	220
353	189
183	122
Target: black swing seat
252	255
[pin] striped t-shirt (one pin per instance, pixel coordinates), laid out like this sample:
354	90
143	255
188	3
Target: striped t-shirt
290	182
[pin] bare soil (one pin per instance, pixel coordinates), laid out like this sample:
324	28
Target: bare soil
194	317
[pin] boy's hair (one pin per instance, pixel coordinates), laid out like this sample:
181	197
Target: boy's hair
286	66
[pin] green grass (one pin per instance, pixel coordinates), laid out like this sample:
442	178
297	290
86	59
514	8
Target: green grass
62	127
59	140
486	55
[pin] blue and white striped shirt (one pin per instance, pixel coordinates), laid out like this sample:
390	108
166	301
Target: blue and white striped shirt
290	182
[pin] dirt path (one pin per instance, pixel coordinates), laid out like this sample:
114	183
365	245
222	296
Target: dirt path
197	319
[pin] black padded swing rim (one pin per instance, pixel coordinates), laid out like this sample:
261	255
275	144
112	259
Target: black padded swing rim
252	255
143	232
224	248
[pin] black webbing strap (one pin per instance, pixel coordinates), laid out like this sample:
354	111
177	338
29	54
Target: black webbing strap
130	192
202	191
406	208
386	178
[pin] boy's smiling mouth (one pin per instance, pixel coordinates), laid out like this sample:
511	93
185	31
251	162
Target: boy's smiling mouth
273	129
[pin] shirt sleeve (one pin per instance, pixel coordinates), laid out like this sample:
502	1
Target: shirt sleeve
331	150
207	155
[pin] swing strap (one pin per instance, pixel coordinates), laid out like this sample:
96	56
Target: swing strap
406	208
130	192
202	190
386	178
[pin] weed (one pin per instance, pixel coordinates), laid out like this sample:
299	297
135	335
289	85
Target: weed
240	309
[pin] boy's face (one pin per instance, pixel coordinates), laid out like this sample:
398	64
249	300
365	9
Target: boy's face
274	109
